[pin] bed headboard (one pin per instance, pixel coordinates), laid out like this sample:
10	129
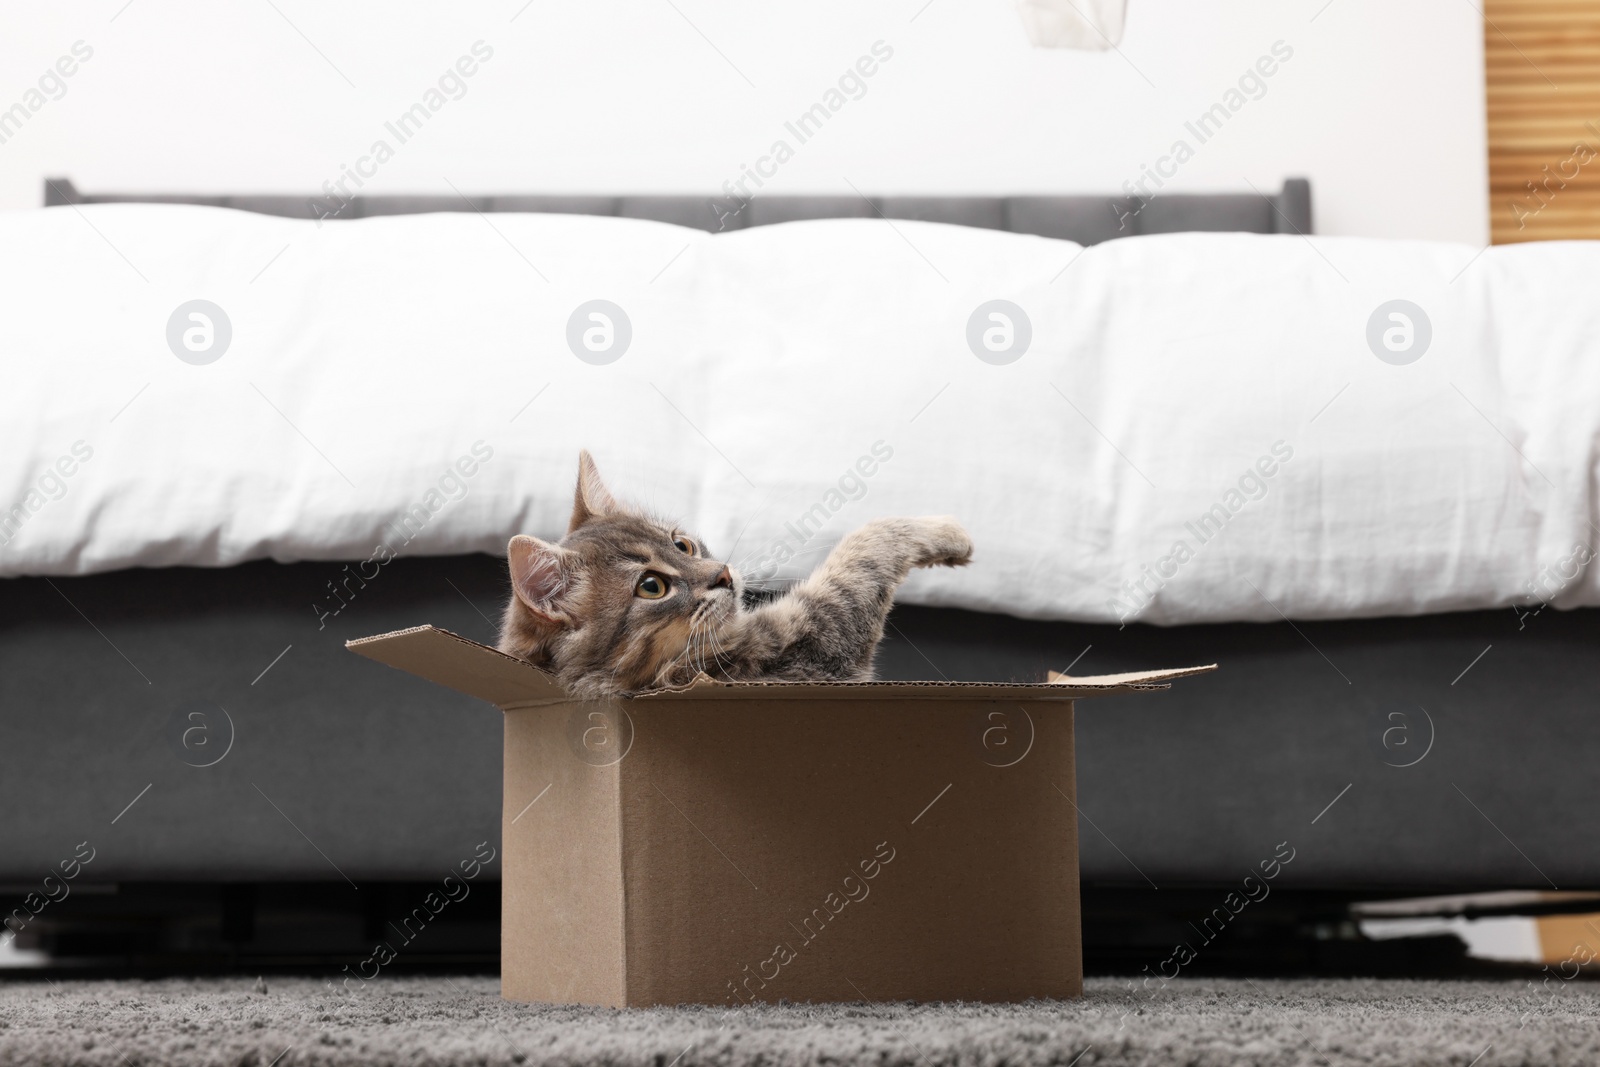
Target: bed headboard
1084	219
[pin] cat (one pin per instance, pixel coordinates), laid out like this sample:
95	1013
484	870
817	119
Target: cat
625	603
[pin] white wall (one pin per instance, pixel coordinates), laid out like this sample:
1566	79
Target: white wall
1381	105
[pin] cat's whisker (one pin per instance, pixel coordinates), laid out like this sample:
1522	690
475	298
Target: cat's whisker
709	643
705	648
713	633
718	642
700	636
696	638
686	658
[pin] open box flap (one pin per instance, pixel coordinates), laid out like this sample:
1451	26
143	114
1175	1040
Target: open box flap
478	670
458	663
1131	678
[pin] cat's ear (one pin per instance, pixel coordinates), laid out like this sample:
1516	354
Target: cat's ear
542	576
592	500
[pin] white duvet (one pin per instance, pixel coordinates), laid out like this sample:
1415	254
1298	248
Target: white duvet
1198	429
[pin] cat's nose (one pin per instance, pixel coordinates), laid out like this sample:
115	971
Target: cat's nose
724	579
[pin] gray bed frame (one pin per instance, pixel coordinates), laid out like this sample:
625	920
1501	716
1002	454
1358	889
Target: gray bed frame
1084	219
1449	752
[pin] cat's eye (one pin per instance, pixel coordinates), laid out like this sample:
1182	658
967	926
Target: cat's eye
652	587
684	545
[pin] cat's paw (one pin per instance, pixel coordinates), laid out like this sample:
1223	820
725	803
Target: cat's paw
945	542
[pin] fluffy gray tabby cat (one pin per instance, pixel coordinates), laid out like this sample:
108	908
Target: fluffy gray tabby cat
626	603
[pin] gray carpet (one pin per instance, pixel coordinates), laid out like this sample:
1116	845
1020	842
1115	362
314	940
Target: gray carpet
299	1021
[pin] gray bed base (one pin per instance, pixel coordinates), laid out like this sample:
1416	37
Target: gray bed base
330	766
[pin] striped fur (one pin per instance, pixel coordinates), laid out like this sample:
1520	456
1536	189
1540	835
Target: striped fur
575	612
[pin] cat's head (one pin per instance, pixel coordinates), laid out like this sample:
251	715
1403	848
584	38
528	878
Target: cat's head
622	597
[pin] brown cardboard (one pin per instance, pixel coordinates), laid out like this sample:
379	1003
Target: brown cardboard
723	843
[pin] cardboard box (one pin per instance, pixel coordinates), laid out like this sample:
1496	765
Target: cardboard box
725	843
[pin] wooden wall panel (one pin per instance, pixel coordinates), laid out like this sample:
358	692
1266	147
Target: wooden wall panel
1542	61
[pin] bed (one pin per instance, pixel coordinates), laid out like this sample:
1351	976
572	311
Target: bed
1409	712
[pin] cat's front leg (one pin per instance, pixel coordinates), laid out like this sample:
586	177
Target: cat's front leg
829	625
859	578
